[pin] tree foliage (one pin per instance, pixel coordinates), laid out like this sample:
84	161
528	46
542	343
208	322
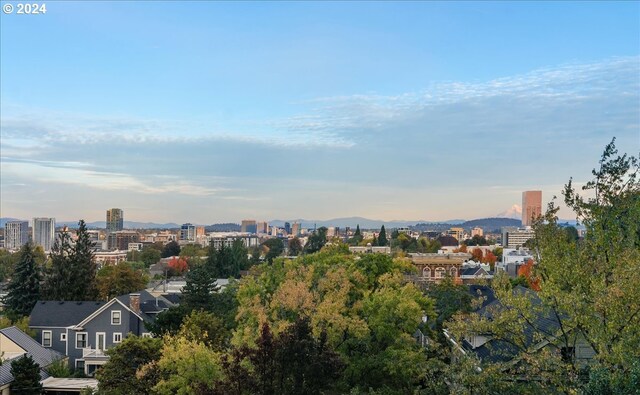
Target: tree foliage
295	246
316	240
72	273
170	249
382	237
118	375
589	288
120	279
26	376
24	287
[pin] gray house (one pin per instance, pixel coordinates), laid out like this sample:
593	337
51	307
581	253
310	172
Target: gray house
84	330
13	345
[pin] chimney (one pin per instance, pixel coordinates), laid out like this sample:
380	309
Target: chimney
134	302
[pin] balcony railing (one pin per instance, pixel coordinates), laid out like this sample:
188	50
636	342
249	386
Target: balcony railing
93	353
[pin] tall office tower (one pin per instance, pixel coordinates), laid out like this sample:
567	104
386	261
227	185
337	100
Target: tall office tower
188	232
44	232
249	226
531	206
287	228
115	220
263	227
16	234
295	229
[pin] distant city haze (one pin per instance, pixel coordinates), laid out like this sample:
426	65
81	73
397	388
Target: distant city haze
212	112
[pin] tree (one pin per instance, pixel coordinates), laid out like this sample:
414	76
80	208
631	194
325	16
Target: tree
382	237
477	254
24	287
172	248
58	276
207	328
26	376
178	265
83	267
197	293
316	241
274	248
149	255
118	375
589	288
357	237
295	246
119	279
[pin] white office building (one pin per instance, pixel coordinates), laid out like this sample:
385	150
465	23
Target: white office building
44	232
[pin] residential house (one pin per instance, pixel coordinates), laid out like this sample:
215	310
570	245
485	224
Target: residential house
489	348
14	343
84	330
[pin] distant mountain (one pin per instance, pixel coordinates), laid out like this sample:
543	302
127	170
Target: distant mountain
226	227
352	222
126	225
514	212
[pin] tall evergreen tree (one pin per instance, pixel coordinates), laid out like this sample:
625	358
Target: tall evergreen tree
24	287
72	275
26	376
197	294
84	268
58	276
382	237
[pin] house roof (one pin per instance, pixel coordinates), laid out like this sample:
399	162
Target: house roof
500	350
41	355
448	241
61	314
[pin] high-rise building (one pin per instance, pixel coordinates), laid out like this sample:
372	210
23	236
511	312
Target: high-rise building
513	237
115	220
44	232
531	206
295	229
287	228
16	234
249	226
263	227
188	232
120	240
477	231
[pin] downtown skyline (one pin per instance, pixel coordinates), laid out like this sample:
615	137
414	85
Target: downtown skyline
215	112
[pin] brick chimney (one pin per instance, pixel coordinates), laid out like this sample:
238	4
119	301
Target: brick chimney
134	302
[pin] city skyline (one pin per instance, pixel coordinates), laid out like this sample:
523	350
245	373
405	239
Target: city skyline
410	111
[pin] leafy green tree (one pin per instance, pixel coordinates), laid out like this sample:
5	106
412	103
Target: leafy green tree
170	249
240	255
7	264
169	321
316	240
149	255
357	237
382	237
26	376
295	246
207	328
450	298
118	280
274	248
590	288
118	375
24	287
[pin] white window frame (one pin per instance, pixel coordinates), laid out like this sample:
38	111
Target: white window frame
84	365
50	333
86	340
104	341
119	317
63	337
117	337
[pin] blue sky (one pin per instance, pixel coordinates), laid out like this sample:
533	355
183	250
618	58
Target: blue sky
210	111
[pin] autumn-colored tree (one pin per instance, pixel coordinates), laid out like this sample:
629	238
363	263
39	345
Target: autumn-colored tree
114	280
178	265
526	271
477	254
489	258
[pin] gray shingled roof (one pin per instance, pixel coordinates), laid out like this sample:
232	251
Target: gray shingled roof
42	356
61	314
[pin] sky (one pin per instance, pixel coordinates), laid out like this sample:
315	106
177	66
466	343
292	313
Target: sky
210	112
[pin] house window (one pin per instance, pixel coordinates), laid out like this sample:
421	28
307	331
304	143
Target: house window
426	272
80	364
81	340
63	337
115	317
453	272
117	337
440	272
46	338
